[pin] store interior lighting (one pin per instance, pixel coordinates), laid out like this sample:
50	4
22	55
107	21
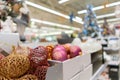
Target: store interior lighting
100	7
45	30
51	28
106	15
51	11
109	20
95	8
62	1
55	33
54	24
42	33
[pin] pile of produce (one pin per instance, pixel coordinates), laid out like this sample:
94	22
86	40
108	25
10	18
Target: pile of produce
63	52
31	64
38	61
24	64
14	65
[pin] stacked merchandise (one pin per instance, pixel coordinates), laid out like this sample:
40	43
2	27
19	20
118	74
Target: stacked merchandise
52	62
95	52
74	66
104	75
24	63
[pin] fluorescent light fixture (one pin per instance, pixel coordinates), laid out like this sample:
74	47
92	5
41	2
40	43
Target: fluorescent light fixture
81	12
109	20
100	7
51	11
78	18
54	24
46	9
106	15
95	8
113	4
116	19
46	33
51	29
99	22
55	33
62	1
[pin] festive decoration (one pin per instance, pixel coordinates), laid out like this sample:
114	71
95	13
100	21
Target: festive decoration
117	11
90	23
18	12
71	17
105	30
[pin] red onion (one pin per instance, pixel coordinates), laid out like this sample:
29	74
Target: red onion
41	72
74	51
59	55
59	47
38	57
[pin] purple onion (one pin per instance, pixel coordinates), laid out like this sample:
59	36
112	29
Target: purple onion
74	51
59	55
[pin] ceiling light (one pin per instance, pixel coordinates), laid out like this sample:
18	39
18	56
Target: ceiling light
55	33
95	8
54	24
51	11
109	20
106	15
81	12
116	19
99	22
51	28
100	7
62	1
113	4
46	9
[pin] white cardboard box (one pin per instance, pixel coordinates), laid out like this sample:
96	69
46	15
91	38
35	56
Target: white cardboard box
7	40
67	69
86	74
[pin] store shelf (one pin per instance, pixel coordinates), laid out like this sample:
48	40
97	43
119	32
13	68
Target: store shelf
114	49
99	71
84	75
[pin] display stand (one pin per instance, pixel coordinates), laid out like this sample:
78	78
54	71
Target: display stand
114	69
71	69
83	67
7	40
99	71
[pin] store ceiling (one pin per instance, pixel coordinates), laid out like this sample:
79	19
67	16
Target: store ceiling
77	6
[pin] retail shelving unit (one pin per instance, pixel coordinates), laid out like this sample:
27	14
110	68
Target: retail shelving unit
99	71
